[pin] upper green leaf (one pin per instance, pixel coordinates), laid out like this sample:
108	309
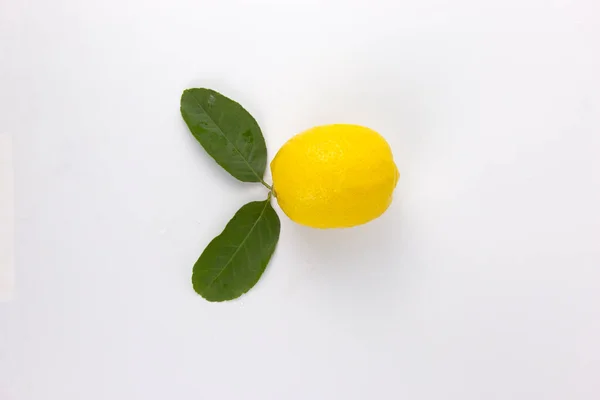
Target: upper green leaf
227	132
234	261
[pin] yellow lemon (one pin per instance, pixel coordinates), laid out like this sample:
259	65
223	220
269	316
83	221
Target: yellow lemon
334	176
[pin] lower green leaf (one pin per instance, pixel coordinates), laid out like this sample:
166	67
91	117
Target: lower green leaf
234	261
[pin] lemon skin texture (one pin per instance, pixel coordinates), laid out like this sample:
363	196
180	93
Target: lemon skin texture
334	176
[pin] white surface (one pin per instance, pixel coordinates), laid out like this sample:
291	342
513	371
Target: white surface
481	282
7	215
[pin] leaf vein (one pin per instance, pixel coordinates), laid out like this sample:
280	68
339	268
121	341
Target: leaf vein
240	246
226	138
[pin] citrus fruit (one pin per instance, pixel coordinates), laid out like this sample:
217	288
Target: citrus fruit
334	176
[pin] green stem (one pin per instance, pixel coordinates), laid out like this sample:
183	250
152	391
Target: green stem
265	184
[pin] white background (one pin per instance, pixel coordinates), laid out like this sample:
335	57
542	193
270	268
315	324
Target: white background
7	215
482	281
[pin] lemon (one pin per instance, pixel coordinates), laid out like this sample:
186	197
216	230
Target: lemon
334	176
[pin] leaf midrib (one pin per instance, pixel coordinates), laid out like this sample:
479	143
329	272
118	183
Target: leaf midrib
226	138
240	246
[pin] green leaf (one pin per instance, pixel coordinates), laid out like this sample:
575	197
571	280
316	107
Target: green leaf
228	133
234	261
